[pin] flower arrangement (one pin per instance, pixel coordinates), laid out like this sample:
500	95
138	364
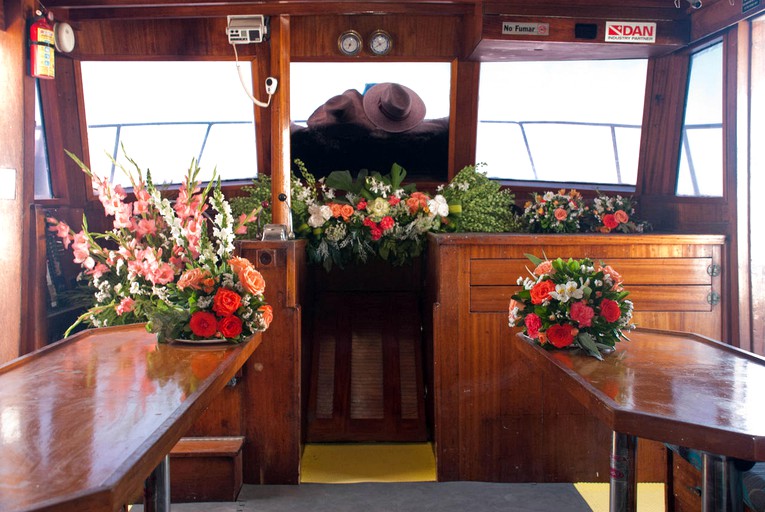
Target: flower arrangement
349	220
554	212
614	213
572	303
159	263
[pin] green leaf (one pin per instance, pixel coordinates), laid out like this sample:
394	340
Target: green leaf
341	180
587	342
533	259
397	175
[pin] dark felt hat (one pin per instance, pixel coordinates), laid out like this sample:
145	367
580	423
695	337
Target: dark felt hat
346	108
393	107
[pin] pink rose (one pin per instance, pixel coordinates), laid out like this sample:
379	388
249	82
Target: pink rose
532	323
582	314
560	214
543	268
621	216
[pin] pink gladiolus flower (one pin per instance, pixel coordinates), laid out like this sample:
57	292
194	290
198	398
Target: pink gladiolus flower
146	227
62	231
163	275
123	217
125	306
99	270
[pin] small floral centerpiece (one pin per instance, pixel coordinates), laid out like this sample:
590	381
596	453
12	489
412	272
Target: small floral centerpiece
554	212
573	303
159	263
614	213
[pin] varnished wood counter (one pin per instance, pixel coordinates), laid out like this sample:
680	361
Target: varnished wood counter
675	387
84	421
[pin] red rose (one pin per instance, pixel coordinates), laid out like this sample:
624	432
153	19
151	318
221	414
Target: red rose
609	310
532	323
376	233
203	324
541	291
230	326
226	302
560	335
387	223
610	221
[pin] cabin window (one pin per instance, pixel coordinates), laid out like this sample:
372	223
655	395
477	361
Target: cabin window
43	186
700	171
572	121
165	114
331	130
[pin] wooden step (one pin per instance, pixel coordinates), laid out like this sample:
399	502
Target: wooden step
206	469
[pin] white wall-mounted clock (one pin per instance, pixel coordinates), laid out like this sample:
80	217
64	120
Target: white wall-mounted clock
349	43
380	42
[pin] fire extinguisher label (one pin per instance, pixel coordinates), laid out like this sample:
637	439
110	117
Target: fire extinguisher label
45	63
45	36
42	50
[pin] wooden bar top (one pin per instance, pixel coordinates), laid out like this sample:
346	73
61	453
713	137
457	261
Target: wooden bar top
85	420
668	386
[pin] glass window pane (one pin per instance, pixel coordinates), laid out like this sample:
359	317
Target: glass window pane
576	121
700	170
166	113
348	139
43	188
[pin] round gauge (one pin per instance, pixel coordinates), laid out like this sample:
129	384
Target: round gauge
380	43
63	37
349	43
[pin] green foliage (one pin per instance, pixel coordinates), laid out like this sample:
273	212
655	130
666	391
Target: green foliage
478	204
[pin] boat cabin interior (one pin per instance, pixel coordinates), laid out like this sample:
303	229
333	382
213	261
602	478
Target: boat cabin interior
658	101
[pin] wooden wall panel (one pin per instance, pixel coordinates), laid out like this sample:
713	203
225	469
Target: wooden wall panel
17	91
274	376
414	37
156	39
495	420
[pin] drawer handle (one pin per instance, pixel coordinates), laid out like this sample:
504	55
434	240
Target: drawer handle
714	270
713	298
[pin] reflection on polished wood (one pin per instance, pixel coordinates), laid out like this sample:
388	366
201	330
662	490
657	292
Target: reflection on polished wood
84	421
674	387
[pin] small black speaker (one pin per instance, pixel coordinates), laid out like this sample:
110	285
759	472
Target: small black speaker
586	31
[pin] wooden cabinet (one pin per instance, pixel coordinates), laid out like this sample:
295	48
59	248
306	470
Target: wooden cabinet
492	418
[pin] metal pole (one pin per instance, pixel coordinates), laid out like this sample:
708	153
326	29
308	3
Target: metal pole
156	488
623	489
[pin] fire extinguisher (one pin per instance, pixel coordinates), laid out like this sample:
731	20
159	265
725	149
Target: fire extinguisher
42	47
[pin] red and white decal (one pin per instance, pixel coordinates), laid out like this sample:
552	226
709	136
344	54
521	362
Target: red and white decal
630	32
